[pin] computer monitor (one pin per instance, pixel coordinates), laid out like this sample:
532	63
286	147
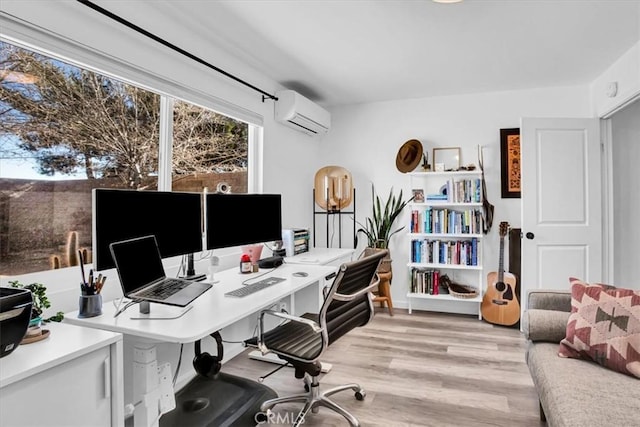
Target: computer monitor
242	219
174	218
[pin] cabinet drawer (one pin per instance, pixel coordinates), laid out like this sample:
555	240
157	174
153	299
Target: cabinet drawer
71	394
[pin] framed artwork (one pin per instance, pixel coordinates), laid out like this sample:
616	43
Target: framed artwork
510	162
418	195
446	159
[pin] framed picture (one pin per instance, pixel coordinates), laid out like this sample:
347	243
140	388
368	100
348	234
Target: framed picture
418	195
510	162
446	159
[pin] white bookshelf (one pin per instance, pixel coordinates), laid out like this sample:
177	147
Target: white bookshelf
460	269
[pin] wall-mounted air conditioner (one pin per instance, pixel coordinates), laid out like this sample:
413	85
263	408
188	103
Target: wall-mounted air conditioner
300	113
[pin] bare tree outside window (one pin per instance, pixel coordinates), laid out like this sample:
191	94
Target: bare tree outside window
65	130
73	121
208	149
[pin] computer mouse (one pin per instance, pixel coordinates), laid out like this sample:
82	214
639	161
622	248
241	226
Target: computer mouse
300	274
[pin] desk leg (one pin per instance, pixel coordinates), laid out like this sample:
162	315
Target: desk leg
146	389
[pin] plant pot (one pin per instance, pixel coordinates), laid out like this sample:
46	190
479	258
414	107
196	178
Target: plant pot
385	264
35	322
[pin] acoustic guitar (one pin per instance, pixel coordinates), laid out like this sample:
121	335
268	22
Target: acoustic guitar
499	304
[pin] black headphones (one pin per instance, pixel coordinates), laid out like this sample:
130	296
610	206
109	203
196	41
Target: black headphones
206	364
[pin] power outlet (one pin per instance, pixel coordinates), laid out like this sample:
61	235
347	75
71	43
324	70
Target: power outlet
283	307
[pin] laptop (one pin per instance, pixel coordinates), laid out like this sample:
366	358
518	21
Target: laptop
142	275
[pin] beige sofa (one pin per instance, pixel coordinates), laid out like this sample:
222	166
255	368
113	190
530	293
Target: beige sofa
573	392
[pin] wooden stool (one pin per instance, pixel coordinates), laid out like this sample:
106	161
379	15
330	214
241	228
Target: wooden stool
384	291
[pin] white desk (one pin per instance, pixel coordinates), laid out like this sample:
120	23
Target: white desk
210	312
322	256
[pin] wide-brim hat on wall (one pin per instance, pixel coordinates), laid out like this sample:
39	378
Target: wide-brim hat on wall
409	156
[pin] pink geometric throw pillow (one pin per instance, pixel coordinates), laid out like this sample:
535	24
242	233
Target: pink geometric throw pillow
604	326
573	280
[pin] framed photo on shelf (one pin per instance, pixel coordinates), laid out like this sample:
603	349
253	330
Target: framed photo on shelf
510	162
418	195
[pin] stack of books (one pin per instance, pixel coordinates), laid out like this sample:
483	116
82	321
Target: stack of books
300	241
295	240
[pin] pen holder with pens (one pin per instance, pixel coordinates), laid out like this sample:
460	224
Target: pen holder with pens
90	302
90	306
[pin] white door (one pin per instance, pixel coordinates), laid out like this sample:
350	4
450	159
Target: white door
561	202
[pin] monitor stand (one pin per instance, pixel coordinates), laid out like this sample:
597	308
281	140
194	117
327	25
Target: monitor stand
160	311
191	271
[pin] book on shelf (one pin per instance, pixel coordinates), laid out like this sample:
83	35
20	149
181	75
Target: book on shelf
446	221
464	190
425	281
452	252
300	241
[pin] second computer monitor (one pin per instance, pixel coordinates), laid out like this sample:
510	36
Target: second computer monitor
242	219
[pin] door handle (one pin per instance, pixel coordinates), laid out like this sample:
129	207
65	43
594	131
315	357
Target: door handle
530	235
107	377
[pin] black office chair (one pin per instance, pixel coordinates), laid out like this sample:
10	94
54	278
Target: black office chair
301	341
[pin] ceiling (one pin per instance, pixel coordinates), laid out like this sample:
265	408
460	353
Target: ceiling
355	51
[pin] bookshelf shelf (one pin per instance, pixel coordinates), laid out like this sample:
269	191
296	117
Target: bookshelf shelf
432	265
443	297
445	204
445	174
446	237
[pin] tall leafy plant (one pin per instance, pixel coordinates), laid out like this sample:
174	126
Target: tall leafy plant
379	228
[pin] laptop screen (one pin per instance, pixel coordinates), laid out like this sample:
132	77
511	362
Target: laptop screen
138	262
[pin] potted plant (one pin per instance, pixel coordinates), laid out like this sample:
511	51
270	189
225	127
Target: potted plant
40	302
379	227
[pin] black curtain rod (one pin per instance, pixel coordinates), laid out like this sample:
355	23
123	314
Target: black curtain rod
265	95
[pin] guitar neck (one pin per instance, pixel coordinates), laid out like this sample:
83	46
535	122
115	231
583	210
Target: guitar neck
501	261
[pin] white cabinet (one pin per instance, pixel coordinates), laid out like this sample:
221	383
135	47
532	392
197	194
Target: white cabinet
71	378
445	235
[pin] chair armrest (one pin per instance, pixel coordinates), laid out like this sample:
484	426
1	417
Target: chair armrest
348	297
549	299
545	325
313	325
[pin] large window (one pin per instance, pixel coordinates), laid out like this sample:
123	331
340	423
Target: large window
65	130
210	151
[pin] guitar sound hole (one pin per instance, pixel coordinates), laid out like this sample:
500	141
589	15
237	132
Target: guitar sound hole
500	286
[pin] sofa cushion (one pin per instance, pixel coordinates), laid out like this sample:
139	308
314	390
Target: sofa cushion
549	299
576	392
604	326
545	325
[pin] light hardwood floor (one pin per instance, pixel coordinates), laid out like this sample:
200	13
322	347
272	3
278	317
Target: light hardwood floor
423	369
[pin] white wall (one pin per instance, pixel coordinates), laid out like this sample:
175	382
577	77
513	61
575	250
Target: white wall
365	140
625	152
625	74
